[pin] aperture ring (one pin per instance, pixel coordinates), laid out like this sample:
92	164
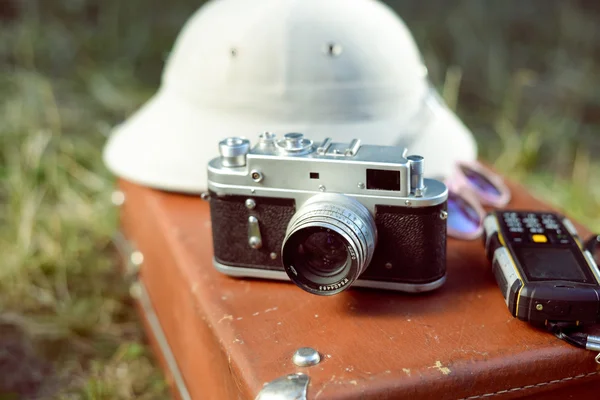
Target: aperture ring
348	217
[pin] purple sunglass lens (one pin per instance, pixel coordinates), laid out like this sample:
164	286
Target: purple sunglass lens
462	216
481	182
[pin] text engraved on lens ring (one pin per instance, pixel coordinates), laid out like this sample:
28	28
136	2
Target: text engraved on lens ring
352	253
335	286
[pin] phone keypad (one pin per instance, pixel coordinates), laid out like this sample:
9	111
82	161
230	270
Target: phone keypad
535	228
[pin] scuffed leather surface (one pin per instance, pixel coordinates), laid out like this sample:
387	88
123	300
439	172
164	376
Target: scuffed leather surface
229	217
413	241
230	336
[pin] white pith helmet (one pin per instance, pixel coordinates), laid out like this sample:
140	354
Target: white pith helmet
343	69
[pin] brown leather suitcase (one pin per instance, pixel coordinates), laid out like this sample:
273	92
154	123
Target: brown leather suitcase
224	338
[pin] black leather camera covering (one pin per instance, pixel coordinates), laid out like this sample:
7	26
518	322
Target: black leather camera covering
412	240
229	219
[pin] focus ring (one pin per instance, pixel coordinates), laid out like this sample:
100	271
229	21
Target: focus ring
334	223
335	219
336	213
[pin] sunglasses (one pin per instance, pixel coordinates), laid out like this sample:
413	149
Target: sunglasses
471	187
593	246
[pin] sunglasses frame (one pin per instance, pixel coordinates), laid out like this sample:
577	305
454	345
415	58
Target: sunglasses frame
460	183
471	200
460	186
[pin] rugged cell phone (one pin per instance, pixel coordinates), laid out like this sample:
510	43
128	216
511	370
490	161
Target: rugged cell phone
542	268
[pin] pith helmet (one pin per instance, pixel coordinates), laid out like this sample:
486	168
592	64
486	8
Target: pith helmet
338	68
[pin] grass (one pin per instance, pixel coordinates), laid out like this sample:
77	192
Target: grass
524	79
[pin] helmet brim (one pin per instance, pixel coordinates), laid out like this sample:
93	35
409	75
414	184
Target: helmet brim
168	142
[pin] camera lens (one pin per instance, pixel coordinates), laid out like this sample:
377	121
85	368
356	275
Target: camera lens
328	244
323	253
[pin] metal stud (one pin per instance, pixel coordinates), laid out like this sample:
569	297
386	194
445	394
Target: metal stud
250	204
322	188
306	357
256	175
408	203
273	256
117	198
443	214
255	242
136	258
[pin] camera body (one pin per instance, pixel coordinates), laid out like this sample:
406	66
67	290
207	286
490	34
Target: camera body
327	216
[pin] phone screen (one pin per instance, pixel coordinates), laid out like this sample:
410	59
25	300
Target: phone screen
551	264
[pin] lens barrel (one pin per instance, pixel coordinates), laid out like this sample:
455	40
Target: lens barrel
328	244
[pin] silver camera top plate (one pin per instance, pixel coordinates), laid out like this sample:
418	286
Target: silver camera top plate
296	167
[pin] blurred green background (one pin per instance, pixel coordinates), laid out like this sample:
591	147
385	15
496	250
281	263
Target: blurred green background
524	76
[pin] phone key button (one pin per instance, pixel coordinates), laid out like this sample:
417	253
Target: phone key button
539	238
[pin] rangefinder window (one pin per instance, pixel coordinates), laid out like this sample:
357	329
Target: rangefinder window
550	264
381	179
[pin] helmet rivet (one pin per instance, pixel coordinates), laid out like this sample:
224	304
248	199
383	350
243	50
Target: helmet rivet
333	49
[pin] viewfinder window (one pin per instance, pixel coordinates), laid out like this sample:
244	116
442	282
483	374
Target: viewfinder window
382	179
314	175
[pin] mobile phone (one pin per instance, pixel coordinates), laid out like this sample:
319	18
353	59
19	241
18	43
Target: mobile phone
541	267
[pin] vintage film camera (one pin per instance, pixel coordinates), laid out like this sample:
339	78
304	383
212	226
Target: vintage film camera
327	216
